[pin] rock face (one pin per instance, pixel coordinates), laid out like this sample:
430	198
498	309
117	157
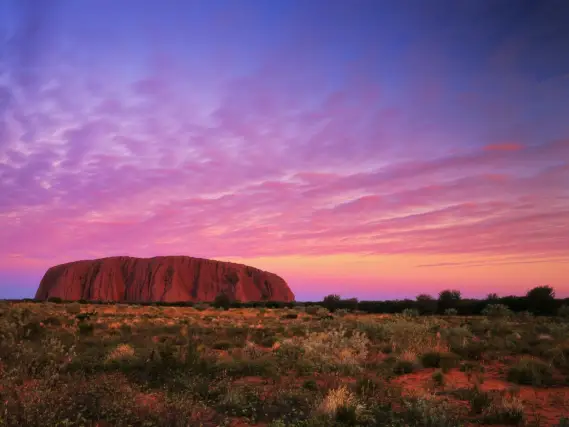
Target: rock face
165	279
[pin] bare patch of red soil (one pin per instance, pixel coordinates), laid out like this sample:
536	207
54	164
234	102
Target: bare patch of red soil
251	380
546	405
151	402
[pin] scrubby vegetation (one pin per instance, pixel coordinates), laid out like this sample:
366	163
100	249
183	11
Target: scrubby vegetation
538	301
327	364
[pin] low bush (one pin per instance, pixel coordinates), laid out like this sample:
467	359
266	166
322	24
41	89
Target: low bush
410	312
85	328
471	367
473	350
531	372
368	386
507	411
73	308
444	360
310	385
342	406
428	412
312	309
333	349
222	345
290	316
404	367
222	301
563	311
52	321
431	359
496	310
438	378
479	400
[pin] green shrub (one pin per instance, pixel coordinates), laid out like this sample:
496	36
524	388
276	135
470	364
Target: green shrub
290	316
264	337
343	407
222	345
126	329
449	361
297	330
438	378
55	300
33	330
222	301
246	367
333	349
425	412
473	350
410	312
525	316
240	401
496	310
563	311
404	367
310	385
471	367
443	360
268	341
312	309
347	415
367	386
53	321
451	312
289	353
531	372
559	356
73	308
431	359
479	400
507	411
86	328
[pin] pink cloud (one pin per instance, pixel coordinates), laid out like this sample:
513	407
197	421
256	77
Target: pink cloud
506	146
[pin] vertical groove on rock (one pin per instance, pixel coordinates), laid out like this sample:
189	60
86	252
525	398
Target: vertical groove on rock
196	281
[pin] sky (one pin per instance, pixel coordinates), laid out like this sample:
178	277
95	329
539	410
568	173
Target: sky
370	148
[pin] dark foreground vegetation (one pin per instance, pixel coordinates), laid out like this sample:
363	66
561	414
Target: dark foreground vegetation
325	365
538	301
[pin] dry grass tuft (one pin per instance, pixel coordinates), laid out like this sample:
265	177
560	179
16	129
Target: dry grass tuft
121	352
337	399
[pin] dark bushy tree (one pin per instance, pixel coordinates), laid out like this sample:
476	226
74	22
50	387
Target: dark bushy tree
331	302
426	304
222	301
449	298
541	300
348	304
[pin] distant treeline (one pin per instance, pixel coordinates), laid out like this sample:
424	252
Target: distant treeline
539	301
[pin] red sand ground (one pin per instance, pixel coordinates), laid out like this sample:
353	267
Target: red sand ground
545	405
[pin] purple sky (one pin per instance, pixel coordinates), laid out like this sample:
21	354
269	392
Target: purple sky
369	148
